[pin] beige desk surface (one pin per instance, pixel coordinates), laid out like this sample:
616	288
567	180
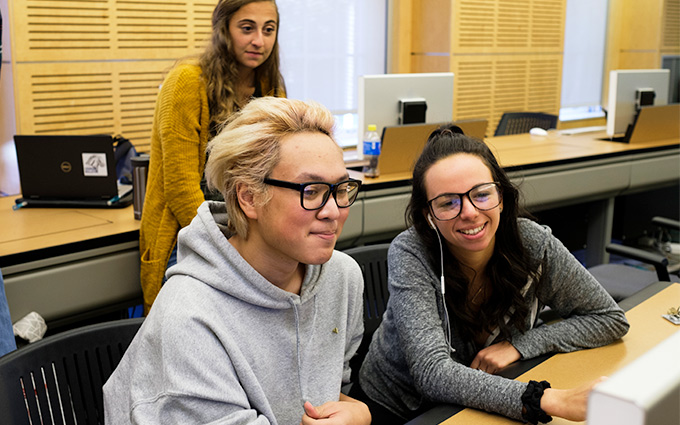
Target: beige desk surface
525	149
28	229
567	370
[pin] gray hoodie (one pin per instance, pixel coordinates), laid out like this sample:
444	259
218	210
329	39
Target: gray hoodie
223	345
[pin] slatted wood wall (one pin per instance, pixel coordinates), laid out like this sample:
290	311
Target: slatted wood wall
95	66
643	33
671	27
506	54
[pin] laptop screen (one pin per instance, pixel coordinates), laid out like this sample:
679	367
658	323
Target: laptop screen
66	167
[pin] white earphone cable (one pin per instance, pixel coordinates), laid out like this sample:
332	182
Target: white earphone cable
447	324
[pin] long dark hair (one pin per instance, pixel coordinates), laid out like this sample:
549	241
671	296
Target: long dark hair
220	66
509	267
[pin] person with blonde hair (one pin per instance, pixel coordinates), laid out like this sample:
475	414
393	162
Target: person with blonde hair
260	316
240	62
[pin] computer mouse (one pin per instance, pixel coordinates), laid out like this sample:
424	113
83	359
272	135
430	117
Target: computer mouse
537	131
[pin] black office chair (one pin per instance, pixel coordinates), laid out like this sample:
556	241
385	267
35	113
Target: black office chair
522	122
622	280
59	380
373	262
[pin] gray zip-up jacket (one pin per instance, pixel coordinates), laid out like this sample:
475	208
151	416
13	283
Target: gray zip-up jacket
223	345
408	364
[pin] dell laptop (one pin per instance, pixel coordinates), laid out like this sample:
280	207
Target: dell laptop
69	171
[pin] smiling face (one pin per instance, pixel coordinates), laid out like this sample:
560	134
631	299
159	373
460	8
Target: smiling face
253	30
470	236
284	229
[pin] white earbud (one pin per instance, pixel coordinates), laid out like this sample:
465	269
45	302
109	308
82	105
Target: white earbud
429	220
441	252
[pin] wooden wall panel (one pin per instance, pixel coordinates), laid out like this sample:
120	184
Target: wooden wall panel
506	54
639	60
94	66
636	32
430	63
640	34
88	98
487	86
400	33
62	30
507	26
430	23
671	27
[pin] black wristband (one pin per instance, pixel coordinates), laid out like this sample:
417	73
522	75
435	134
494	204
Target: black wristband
531	399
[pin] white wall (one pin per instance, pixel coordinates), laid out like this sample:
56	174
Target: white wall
584	49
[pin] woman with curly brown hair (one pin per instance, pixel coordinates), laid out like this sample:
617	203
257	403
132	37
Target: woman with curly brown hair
240	62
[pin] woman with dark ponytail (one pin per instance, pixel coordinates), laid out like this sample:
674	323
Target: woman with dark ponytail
467	281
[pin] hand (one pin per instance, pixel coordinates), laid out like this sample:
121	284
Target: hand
495	357
569	404
347	411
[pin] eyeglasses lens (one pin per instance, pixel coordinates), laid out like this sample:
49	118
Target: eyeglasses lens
447	207
315	195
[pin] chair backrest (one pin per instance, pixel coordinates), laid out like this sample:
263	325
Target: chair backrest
522	122
622	280
59	379
373	262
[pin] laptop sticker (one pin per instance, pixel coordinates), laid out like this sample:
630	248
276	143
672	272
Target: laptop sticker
94	165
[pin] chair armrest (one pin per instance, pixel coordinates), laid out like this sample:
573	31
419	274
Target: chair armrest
666	222
659	262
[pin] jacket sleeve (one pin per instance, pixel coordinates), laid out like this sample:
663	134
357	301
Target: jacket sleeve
415	301
591	318
183	106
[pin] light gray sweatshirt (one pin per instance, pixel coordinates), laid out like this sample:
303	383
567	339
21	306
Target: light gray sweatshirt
222	345
408	364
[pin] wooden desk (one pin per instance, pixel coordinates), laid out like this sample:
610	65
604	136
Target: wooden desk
31	229
62	262
568	370
526	152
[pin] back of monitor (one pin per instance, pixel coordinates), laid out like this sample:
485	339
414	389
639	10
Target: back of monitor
402	144
645	392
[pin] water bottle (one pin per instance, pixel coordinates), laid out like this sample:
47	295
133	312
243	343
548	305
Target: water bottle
140	171
371	152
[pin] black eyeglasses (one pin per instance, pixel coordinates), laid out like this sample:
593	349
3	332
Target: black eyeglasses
484	197
314	195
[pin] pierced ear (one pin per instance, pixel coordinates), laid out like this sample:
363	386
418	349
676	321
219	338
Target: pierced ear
246	200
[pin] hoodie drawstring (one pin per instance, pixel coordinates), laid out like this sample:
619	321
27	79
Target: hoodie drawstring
297	346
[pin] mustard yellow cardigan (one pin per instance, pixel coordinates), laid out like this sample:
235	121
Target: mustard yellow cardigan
179	138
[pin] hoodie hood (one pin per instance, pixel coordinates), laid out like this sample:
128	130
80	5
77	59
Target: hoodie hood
205	253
